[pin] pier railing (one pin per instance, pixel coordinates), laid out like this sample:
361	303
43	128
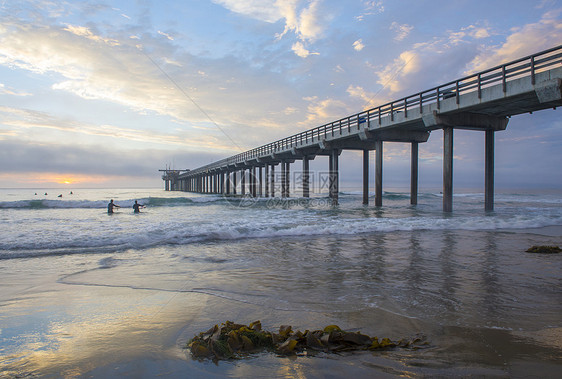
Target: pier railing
527	66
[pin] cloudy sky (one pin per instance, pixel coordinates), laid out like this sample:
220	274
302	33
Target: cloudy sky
105	93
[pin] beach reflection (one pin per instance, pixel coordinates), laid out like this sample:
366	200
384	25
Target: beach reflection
472	293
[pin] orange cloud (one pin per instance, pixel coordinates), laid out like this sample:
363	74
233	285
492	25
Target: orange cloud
48	178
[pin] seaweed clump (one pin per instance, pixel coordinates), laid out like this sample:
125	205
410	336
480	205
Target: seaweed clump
231	340
544	250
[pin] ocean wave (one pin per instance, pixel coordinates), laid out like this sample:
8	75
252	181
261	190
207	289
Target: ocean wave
89	204
268	225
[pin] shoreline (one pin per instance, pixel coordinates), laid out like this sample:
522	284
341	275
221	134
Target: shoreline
110	314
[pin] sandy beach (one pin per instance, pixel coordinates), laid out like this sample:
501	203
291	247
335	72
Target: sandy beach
487	307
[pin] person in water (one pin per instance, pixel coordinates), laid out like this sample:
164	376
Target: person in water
137	207
110	207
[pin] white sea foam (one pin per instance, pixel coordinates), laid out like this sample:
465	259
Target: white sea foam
49	226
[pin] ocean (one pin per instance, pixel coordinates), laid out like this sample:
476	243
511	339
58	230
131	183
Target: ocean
84	293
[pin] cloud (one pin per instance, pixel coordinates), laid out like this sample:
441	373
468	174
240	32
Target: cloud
392	75
526	40
325	110
311	24
264	10
441	59
358	45
83	31
308	23
153	79
22	156
369	99
11	91
304	18
402	31
299	49
371	8
25	119
168	36
471	31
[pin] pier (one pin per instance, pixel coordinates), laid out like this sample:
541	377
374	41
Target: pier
482	102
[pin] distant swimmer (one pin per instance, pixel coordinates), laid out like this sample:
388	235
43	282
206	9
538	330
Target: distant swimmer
45	193
60	195
71	193
110	207
137	207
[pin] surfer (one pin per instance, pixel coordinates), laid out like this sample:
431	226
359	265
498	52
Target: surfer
137	207
110	207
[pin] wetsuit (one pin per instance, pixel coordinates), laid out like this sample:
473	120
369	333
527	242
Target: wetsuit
110	207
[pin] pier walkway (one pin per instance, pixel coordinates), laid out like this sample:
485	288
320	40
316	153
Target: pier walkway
482	102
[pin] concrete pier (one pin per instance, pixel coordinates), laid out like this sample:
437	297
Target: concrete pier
272	182
334	182
378	173
365	177
481	102
448	169
489	171
414	174
306	177
266	194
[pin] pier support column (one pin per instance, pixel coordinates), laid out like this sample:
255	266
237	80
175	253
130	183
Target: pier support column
285	169
489	171
378	173
365	177
260	182
253	182
227	183
283	183
266	194
287	179
334	176
243	182
272	180
448	169
234	183
305	177
414	174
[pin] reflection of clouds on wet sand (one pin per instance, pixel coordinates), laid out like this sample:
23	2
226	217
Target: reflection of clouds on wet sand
476	296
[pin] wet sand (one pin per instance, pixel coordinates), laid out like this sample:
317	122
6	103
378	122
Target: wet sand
487	307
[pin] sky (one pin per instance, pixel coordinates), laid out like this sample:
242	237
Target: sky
105	93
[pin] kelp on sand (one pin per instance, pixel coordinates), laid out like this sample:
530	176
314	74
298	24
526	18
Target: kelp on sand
231	340
544	249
